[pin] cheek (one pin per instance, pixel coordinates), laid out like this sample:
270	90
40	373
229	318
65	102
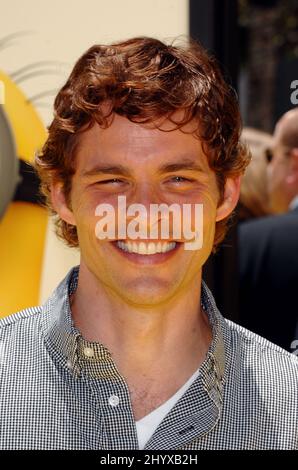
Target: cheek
210	202
205	223
210	212
84	213
276	177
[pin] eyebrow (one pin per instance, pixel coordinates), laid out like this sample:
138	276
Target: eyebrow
121	170
106	169
184	165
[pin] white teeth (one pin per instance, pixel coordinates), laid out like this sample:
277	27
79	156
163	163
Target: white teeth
151	248
143	248
164	247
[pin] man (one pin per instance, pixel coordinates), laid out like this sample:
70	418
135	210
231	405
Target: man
283	167
253	201
268	253
130	350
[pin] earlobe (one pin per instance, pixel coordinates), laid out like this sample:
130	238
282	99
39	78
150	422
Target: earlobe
231	197
59	203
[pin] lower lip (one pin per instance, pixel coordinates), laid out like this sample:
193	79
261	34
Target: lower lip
157	258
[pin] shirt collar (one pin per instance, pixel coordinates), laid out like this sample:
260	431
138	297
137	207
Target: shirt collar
73	352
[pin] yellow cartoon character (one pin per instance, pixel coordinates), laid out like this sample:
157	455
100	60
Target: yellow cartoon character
23	224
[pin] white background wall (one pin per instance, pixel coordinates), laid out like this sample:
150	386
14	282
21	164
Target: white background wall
60	31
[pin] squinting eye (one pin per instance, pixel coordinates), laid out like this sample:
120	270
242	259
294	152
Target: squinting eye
180	179
113	180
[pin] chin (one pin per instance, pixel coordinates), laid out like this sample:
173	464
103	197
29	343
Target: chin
147	291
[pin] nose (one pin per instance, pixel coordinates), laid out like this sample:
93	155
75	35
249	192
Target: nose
153	214
145	194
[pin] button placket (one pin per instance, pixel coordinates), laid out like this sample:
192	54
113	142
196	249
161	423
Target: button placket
114	400
88	352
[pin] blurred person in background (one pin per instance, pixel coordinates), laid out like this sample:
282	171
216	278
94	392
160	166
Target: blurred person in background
283	165
253	200
268	247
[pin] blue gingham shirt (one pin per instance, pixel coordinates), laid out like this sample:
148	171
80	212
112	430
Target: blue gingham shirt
59	391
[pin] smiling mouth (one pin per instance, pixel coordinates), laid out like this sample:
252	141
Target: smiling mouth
146	252
146	248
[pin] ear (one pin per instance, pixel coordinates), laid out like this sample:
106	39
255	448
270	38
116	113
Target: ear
292	177
230	198
59	203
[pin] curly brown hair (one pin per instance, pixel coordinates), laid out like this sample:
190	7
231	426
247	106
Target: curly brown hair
143	79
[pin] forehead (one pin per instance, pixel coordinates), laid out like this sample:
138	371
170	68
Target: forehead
125	142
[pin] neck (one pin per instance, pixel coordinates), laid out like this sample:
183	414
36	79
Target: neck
171	337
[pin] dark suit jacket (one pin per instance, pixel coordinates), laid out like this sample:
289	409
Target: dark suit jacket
268	267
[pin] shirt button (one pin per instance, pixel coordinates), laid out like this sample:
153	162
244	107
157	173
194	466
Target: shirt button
114	400
69	364
88	352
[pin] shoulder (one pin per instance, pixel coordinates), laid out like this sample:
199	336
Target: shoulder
22	353
262	362
260	391
26	320
271	238
20	316
268	224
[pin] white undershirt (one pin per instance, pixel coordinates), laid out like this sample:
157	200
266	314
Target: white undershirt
147	425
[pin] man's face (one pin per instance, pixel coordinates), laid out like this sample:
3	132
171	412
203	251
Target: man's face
141	153
277	172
